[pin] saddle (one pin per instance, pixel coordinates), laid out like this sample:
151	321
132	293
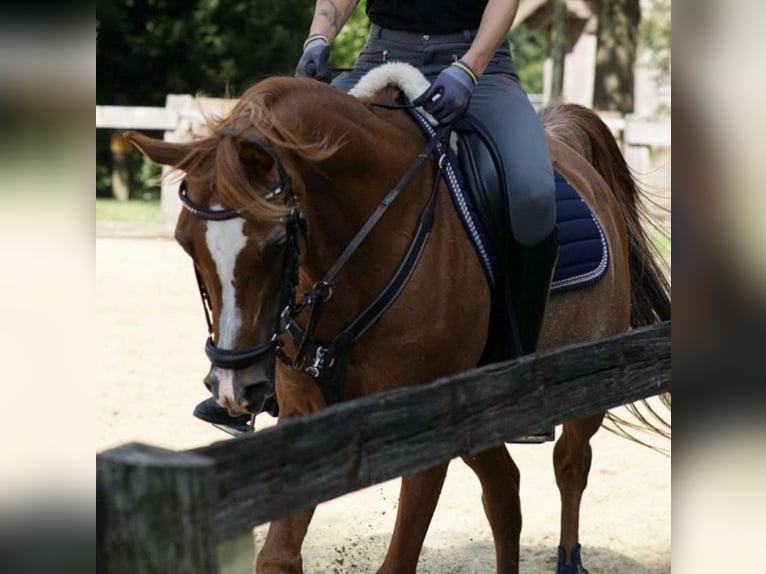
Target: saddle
476	180
482	173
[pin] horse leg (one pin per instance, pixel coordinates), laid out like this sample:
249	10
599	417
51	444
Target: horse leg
571	462
281	552
499	477
418	496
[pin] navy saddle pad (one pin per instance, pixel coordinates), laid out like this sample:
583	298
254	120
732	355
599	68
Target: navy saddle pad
583	252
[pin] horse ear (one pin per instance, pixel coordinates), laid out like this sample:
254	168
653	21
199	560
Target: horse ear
158	151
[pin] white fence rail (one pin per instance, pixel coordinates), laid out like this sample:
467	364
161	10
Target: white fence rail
136	118
183	118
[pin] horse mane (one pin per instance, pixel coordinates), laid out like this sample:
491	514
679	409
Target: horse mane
221	159
582	129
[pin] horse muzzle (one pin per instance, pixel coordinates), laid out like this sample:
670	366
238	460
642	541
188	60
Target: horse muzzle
243	391
242	380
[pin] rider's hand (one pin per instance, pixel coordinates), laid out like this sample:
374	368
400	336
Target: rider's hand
313	62
447	98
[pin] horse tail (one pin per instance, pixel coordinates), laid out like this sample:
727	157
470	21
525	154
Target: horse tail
584	131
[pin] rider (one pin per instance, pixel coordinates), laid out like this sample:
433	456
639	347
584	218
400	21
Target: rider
461	46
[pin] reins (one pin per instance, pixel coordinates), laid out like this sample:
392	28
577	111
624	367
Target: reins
325	356
390	106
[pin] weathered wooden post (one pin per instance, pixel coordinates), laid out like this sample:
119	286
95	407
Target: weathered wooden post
558	48
119	147
155	511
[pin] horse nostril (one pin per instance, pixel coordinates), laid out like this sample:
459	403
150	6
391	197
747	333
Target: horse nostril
211	382
257	394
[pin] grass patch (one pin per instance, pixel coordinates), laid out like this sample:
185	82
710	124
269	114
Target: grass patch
662	242
136	210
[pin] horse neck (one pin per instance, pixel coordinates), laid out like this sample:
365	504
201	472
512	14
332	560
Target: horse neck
340	193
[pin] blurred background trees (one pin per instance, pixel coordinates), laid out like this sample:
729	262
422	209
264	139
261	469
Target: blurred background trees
149	48
655	35
618	22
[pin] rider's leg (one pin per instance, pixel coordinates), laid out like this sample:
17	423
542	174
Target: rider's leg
501	105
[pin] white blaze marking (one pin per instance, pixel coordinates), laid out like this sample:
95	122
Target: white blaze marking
225	386
225	240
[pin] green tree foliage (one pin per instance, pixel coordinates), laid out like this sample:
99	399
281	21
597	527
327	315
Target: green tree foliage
529	49
656	36
618	22
149	48
351	38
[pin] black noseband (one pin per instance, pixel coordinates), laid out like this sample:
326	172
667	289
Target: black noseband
236	359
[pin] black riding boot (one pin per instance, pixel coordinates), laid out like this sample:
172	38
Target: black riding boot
211	412
531	273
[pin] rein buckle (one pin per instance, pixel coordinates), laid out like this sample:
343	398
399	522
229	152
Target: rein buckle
323	359
323	290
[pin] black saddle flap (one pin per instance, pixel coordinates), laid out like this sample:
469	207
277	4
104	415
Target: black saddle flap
484	177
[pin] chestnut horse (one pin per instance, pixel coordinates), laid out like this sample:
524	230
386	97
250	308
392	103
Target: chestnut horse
277	193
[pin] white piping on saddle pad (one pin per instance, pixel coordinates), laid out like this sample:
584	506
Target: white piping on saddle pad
406	77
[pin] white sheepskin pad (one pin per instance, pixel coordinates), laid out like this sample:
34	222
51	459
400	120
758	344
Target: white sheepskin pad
404	76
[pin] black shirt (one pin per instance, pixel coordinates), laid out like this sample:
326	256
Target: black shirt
426	16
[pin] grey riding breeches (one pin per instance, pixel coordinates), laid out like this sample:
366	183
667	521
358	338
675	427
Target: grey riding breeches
498	101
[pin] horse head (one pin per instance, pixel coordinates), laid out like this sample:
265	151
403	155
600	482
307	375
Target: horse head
236	227
288	148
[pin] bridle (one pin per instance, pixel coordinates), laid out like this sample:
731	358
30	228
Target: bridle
295	226
324	363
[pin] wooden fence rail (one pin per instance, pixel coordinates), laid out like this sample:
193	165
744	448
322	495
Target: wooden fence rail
302	462
183	118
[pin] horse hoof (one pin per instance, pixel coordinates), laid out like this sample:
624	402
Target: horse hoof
575	567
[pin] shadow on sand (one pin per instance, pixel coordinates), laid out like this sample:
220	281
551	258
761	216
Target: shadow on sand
365	554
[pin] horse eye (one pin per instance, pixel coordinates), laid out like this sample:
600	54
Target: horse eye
272	249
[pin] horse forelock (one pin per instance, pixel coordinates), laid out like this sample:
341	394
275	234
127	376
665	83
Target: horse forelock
274	110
